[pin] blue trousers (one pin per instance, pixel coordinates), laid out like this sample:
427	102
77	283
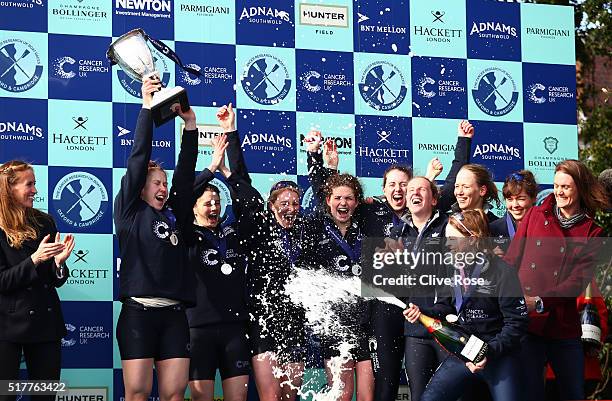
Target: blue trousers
451	380
566	358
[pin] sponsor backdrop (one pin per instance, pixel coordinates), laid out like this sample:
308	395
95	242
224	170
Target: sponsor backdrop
387	80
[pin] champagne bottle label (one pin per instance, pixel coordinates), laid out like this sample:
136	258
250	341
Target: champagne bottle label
591	332
473	348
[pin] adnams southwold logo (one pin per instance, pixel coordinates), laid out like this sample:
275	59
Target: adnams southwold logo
265	79
265	15
266	142
495	92
538	93
493	30
496	151
20	131
80	199
20	65
383	86
144	8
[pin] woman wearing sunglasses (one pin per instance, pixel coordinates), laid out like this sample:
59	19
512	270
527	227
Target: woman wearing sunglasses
488	303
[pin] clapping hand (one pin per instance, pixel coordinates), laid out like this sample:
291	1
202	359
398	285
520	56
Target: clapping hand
68	243
47	250
219	145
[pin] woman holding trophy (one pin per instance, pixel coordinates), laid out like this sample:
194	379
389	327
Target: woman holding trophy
156	283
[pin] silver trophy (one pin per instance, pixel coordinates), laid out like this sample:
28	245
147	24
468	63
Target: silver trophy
132	53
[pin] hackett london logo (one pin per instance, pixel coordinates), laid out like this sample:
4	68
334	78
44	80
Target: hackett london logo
436	31
383	86
266	80
20	65
380	154
324	15
495	92
551	144
80	199
79	139
265	15
538	93
67	67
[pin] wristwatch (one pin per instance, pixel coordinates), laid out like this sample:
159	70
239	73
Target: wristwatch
539	305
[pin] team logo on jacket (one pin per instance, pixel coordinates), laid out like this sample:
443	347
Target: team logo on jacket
161	229
80	199
205	257
266	79
383	86
20	65
495	92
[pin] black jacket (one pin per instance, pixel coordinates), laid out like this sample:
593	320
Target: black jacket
29	305
499	231
221	294
150	264
495	312
431	239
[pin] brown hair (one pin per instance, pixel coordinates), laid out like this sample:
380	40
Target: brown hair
483	177
344	180
400	167
19	224
276	193
591	193
522	180
154	165
476	221
435	191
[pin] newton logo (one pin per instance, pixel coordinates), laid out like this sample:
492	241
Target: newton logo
383	86
266	79
80	199
20	65
495	92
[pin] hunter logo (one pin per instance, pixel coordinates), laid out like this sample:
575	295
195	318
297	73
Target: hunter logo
551	144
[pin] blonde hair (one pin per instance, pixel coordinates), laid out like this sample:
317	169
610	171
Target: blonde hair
19	224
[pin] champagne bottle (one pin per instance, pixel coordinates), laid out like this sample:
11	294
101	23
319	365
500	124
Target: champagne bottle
589	320
455	340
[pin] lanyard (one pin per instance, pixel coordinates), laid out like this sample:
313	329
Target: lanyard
510	225
460	297
167	211
353	252
291	250
220	242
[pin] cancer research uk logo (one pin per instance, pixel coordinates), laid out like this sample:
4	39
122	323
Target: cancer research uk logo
265	79
81	201
383	86
495	92
20	65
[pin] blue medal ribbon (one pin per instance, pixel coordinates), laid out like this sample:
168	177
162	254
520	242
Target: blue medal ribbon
168	52
291	250
460	297
510	225
353	252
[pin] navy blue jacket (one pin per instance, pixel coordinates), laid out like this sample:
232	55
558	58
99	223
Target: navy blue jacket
150	265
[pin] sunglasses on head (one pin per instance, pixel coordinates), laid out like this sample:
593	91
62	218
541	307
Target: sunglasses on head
459	219
515	177
283	185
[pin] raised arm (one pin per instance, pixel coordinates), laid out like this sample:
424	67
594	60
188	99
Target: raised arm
227	120
181	193
136	175
465	133
317	172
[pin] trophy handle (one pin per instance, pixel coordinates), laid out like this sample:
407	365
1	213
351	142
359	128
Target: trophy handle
162	103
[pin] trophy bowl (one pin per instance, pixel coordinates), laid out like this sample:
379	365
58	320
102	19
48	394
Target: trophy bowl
133	55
